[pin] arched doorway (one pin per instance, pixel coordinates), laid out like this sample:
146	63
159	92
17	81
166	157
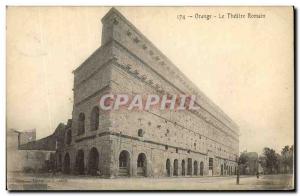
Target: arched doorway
168	167
59	165
175	170
183	167
190	167
195	168
222	170
124	163
201	168
80	162
226	169
66	168
93	161
210	166
141	165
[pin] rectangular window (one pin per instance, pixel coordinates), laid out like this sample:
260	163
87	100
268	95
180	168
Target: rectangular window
210	163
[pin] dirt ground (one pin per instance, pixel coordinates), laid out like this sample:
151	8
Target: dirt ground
60	182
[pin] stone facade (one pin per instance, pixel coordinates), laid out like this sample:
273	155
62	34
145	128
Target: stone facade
147	143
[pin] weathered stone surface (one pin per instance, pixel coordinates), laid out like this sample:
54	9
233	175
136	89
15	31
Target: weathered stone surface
126	63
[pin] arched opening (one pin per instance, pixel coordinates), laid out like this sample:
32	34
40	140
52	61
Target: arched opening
168	167
59	165
190	166
52	162
195	168
210	166
201	168
124	160
69	136
81	122
95	119
175	170
141	165
93	162
226	170
222	170
80	162
66	168
183	167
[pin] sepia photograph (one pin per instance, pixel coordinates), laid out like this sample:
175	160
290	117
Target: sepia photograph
120	98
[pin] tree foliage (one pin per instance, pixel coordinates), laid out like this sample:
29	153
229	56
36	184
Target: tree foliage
274	163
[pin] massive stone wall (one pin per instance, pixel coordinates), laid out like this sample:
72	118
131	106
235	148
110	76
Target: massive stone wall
127	62
116	27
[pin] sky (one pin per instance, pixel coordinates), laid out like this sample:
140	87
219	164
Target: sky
245	66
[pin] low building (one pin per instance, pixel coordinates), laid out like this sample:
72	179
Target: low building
26	154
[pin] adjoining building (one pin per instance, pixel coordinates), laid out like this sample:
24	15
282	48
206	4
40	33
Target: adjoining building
134	143
22	157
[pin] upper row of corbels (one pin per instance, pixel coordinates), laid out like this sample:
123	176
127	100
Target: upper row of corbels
135	38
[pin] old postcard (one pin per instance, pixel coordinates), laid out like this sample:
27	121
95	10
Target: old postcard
150	98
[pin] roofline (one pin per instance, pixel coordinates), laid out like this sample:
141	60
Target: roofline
214	106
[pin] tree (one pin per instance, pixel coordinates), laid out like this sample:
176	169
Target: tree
291	159
285	158
271	163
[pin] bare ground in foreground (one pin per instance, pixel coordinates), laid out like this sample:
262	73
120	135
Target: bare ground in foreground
61	182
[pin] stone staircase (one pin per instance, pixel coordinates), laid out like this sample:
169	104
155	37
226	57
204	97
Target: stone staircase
123	171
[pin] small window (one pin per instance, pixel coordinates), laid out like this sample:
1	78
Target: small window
166	147
69	136
189	151
94	124
176	150
81	124
140	133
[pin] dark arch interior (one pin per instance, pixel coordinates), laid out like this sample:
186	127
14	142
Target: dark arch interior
93	161
183	168
66	168
201	168
141	165
81	122
175	172
195	168
80	162
95	119
168	167
124	163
